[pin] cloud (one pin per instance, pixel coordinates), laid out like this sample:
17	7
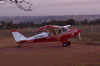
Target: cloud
55	7
55	3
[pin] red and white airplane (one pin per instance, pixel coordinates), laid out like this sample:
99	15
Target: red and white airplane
52	33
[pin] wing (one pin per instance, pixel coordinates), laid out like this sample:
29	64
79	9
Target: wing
66	26
48	26
52	26
53	29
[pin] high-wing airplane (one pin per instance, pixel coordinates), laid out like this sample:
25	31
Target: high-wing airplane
52	33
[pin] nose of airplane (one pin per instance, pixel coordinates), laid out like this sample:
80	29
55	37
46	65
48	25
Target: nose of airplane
79	30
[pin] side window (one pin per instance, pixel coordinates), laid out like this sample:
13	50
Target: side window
49	34
64	29
59	31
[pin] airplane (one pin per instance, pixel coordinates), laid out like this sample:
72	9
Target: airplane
52	33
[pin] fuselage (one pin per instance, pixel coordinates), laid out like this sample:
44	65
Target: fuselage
62	37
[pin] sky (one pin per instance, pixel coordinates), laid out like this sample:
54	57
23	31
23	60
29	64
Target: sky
53	7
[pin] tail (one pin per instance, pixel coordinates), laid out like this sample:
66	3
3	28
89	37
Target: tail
17	36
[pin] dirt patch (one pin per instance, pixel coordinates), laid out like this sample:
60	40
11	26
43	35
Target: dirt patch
49	54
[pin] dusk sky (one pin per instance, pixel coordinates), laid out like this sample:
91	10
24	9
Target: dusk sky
54	7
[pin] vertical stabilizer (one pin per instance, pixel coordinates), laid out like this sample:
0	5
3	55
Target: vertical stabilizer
18	36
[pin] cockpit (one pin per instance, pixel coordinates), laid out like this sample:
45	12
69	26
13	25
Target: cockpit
56	31
62	30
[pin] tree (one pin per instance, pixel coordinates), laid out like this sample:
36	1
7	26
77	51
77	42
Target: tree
97	22
3	25
19	4
71	22
9	25
85	22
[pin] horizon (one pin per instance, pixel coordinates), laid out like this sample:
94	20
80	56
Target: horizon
53	15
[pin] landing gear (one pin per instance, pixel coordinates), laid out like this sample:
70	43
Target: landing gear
66	44
19	46
69	43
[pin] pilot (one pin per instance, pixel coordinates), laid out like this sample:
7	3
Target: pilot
52	31
64	29
59	31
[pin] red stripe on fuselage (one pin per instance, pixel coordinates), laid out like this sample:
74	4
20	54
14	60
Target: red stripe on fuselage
47	39
62	37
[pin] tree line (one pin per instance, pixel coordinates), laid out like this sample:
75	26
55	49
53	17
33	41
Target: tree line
21	25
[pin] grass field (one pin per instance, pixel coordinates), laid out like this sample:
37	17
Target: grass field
81	53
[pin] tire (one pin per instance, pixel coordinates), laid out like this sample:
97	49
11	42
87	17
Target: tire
69	43
65	44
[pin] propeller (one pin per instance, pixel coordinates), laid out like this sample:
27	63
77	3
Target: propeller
79	34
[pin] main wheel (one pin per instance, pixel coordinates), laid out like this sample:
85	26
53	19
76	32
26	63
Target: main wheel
69	43
65	44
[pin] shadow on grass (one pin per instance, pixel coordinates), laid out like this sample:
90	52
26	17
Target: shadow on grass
38	46
3	47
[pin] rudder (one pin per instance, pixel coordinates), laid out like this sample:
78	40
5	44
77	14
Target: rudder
18	36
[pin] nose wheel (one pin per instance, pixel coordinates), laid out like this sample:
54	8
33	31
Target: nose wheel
68	43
